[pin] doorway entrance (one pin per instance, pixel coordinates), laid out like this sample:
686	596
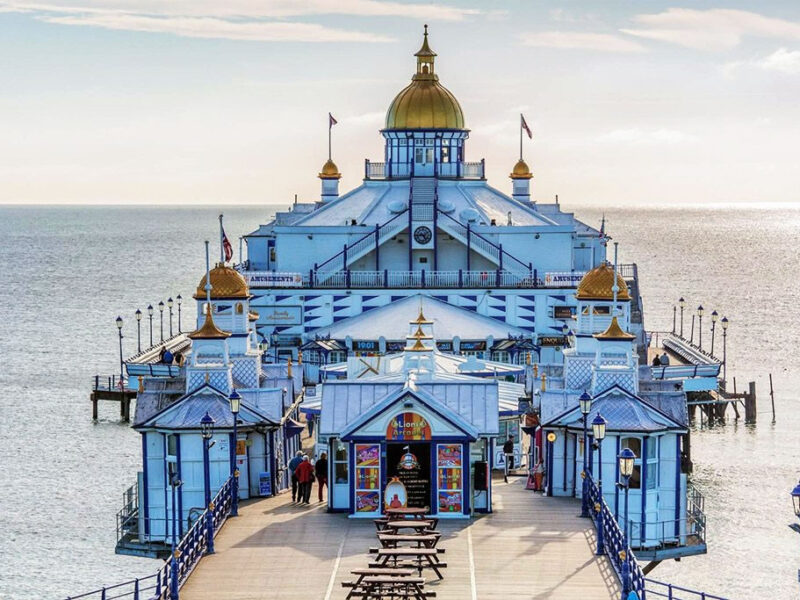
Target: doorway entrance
411	464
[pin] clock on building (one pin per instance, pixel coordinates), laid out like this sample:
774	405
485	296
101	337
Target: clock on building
422	235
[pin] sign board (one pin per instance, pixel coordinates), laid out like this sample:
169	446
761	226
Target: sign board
365	346
569	279
310	391
280	315
408	426
395	346
445	346
552	340
272	279
264	484
562	312
472	346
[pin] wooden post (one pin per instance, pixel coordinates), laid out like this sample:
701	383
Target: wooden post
772	398
126	409
750	403
94	405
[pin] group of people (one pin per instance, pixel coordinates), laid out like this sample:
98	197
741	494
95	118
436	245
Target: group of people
165	357
660	361
303	472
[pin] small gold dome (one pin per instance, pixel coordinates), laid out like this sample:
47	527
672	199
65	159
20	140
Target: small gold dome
226	282
597	284
209	330
614	332
521	170
425	103
330	171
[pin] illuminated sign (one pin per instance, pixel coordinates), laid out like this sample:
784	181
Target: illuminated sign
408	426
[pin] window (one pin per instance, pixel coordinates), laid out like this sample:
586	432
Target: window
239	308
172	445
652	463
419	155
445	154
340	462
429	155
602	310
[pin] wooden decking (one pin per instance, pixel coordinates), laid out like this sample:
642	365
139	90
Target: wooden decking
532	547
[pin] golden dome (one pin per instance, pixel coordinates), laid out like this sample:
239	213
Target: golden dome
330	171
425	103
209	330
614	332
226	282
597	284
521	170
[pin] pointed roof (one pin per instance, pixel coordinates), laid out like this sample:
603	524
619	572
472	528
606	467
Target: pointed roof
615	332
209	330
425	50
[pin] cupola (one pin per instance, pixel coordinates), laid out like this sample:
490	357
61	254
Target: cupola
329	176
521	181
598	284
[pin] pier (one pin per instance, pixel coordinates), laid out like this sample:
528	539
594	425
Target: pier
531	546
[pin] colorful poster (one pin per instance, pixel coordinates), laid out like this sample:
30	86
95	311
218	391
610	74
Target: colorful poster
450	502
367	455
449	455
408	426
367	478
367	501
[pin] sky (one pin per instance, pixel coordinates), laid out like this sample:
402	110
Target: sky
637	102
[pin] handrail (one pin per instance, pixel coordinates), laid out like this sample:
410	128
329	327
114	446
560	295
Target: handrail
188	552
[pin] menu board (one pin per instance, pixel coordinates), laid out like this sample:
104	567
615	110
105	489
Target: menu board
449	477
368	477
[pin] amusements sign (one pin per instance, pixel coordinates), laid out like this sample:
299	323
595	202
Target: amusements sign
408	426
571	279
274	280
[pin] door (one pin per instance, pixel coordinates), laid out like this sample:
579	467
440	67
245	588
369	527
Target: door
411	464
423	160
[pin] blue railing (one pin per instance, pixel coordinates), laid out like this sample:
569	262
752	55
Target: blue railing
623	560
188	553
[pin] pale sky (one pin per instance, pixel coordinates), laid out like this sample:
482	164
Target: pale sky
204	101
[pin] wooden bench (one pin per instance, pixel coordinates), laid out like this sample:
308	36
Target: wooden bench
382	586
417	558
419	525
425	540
385	572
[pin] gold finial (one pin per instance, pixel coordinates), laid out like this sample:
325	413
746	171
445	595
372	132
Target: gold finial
544	382
299	357
208	376
418	347
527	358
141	384
535	370
288	367
209	330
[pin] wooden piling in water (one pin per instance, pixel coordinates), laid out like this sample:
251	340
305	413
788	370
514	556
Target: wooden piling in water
750	409
772	398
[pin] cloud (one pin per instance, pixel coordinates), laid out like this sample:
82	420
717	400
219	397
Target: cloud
275	31
714	29
636	136
258	20
782	60
602	42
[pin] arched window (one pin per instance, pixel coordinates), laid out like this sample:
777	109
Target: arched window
239	308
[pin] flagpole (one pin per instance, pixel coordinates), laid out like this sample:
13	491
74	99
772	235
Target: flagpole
208	279
221	249
330	126
520	135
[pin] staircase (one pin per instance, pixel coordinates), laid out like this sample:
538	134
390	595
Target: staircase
423	195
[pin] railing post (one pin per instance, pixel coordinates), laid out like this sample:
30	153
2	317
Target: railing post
385	278
423	277
500	246
366	168
497	278
347	277
536	278
483	168
469	249
460	278
103	594
136	589
377	247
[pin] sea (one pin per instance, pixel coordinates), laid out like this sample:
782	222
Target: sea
69	271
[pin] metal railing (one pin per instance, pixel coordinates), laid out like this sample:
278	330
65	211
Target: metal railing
685	531
658	589
392	170
188	552
109	383
421	279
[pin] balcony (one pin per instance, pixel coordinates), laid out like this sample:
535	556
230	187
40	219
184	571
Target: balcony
455	170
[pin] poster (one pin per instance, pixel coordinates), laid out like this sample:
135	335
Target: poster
449	477
408	426
367	501
367	455
450	502
264	484
367	478
449	455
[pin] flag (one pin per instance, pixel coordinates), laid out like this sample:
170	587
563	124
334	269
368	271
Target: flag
525	126
331	121
226	245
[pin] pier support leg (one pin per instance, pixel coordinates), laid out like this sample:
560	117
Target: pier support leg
94	407
750	409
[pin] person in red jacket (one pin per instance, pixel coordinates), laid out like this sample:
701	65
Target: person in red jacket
305	476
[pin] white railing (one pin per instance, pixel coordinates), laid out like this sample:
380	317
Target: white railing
472	170
383	170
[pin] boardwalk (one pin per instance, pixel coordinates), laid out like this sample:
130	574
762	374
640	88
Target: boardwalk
531	548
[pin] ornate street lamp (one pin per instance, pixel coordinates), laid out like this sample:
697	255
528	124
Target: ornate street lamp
724	323
207	431
235	400
121	375
700	312
161	308
674	317
169	304
175	483
682	304
585	404
599	432
150	314
714	317
138	330
626	461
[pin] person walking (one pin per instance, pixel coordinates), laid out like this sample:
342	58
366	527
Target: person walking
293	464
321	471
508	450
305	476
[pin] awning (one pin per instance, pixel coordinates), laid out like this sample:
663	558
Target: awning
293	427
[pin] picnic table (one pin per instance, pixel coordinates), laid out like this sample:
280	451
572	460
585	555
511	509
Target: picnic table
408	511
382	586
417	558
419	525
426	540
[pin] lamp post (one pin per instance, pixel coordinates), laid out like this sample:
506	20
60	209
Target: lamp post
674	317
599	431
700	312
175	483
235	400
585	404
169	305
207	430
682	304
179	299
119	330
161	309
714	317
724	323
150	314
138	330
626	460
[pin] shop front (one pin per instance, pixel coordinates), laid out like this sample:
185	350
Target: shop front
414	452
